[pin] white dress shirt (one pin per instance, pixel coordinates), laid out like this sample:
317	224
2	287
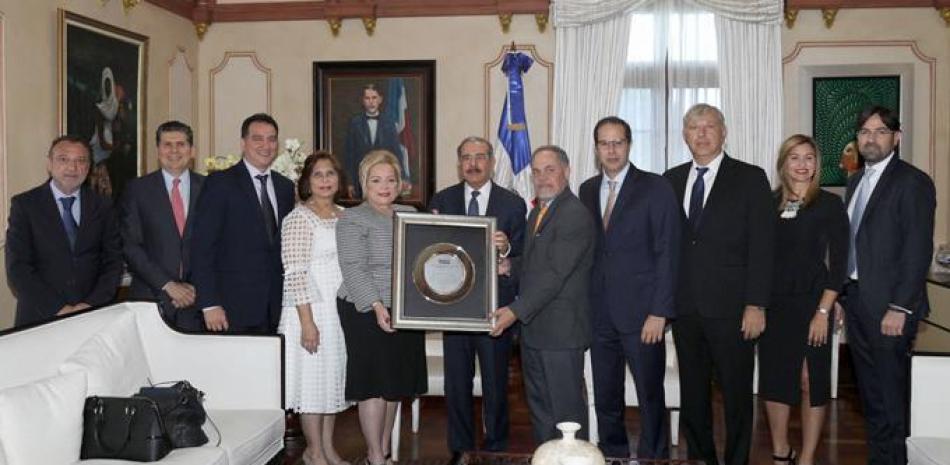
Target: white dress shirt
605	188
270	186
58	194
184	187
483	193
708	180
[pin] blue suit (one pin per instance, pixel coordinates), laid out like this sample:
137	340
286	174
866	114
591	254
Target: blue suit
234	262
509	211
634	276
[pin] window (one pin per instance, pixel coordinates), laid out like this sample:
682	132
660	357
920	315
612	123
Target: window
672	64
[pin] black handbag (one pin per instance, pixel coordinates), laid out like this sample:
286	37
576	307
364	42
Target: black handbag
125	428
182	412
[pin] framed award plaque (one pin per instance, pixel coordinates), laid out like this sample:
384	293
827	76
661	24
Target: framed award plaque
444	272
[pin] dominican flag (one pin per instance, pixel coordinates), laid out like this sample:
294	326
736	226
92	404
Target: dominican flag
513	148
397	107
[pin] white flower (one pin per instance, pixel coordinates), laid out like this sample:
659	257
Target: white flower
292	145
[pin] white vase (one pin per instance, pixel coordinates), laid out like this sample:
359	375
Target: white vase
568	450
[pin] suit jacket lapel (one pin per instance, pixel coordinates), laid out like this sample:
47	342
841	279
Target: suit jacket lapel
243	178
50	211
595	202
883	182
195	191
158	194
679	177
722	183
626	191
86	209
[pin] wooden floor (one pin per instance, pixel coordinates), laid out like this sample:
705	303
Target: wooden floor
843	438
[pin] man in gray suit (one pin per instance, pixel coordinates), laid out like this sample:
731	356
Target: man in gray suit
156	228
553	305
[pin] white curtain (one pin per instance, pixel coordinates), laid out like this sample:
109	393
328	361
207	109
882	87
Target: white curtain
671	75
587	80
750	74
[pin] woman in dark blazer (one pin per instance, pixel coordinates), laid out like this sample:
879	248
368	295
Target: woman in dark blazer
811	253
383	365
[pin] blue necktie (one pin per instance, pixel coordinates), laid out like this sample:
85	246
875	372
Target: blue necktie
696	198
860	202
69	222
473	204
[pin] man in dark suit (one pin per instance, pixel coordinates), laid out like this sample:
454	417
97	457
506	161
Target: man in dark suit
552	305
371	129
638	240
156	228
63	250
724	283
235	244
477	195
891	206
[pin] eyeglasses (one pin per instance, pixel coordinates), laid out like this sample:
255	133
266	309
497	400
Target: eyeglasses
879	132
474	157
604	144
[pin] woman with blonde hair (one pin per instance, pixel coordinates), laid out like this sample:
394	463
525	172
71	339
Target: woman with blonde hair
383	365
315	353
811	253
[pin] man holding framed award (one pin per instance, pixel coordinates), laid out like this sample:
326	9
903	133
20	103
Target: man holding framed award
553	302
477	195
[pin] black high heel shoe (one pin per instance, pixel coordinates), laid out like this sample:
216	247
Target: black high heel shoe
791	458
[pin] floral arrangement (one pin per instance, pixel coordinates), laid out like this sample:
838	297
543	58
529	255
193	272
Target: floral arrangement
219	163
290	162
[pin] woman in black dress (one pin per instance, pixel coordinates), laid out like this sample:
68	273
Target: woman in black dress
811	253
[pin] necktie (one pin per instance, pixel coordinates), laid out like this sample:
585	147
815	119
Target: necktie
611	198
541	212
270	222
69	222
473	204
178	206
860	202
696	198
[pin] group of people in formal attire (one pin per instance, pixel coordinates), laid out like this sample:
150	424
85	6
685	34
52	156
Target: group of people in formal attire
707	249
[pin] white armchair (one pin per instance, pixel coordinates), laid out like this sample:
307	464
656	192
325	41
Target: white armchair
929	441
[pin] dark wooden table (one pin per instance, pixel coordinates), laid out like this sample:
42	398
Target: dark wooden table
486	458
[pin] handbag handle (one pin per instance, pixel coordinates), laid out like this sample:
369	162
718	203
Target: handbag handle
100	420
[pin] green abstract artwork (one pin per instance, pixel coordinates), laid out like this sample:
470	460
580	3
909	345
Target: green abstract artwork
837	103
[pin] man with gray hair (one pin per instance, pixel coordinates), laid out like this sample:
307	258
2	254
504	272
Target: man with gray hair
477	195
553	304
724	283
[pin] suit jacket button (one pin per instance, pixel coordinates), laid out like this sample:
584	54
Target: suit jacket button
693	242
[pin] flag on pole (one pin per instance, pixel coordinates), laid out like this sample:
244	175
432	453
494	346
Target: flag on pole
513	148
398	110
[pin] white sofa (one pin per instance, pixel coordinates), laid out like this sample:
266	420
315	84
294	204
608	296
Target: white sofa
929	441
47	371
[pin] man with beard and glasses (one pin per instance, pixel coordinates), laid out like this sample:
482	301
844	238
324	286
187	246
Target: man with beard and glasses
477	195
891	207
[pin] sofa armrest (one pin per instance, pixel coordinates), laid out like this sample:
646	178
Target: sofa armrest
235	372
929	403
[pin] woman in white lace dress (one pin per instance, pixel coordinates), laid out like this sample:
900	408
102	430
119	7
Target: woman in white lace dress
315	352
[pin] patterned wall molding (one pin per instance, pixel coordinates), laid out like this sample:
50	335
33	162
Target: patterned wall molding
538	80
240	85
182	87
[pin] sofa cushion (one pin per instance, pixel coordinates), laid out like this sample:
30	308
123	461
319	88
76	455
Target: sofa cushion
32	414
188	455
247	436
928	451
113	359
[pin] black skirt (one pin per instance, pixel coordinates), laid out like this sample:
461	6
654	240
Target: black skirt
380	364
784	347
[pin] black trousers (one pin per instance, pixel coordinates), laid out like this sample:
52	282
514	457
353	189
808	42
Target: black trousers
554	390
460	350
882	367
610	351
707	348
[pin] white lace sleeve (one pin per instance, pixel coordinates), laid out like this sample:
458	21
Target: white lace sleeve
296	242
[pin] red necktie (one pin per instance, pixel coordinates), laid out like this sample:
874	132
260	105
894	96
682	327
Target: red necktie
178	207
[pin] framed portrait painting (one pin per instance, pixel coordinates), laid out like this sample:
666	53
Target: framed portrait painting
102	72
362	106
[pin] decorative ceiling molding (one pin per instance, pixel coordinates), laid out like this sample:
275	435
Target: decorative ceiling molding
210	11
829	8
